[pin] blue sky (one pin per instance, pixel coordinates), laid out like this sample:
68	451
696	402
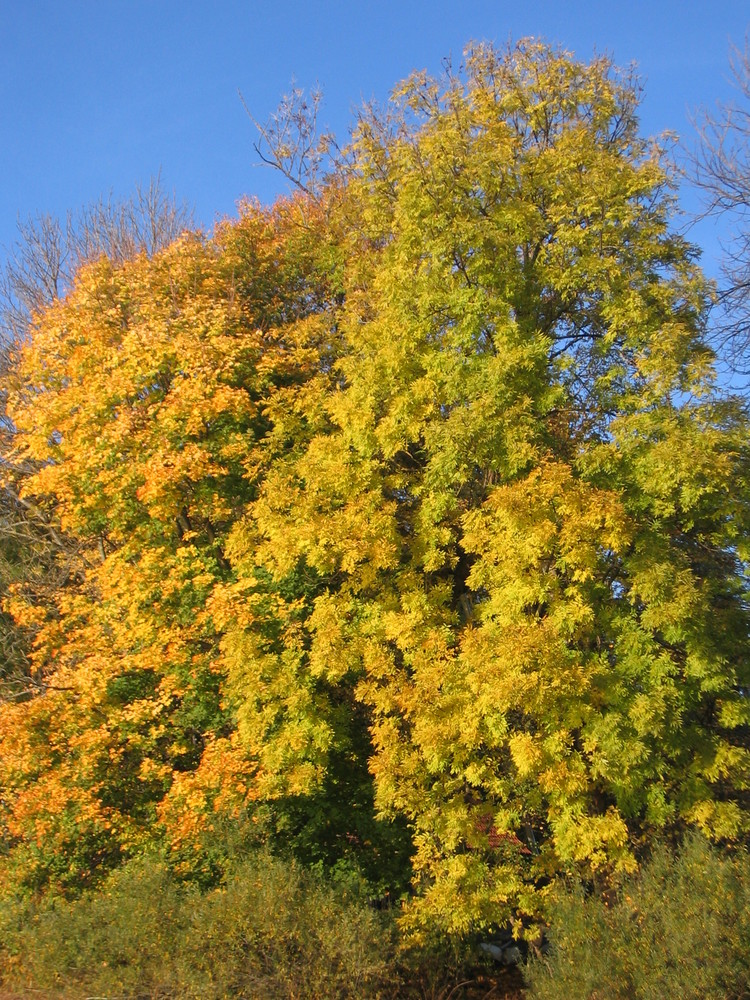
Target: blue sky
98	95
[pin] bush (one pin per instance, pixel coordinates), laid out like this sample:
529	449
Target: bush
272	930
680	928
276	930
116	941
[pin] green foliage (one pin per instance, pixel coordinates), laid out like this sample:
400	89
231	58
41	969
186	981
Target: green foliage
117	941
270	930
680	928
335	827
275	931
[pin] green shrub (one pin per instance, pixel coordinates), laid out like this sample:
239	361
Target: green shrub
272	930
680	928
276	930
117	941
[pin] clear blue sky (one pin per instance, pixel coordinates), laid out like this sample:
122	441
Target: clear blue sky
98	95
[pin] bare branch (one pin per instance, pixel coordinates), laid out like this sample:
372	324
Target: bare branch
47	254
721	169
290	140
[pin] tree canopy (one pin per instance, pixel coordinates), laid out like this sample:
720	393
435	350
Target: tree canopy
412	527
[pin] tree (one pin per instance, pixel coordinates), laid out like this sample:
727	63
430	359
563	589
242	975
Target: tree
722	170
529	512
148	403
39	269
48	252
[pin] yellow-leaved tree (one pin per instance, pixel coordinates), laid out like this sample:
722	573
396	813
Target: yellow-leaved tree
531	508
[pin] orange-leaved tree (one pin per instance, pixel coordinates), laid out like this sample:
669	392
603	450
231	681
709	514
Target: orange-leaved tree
143	406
